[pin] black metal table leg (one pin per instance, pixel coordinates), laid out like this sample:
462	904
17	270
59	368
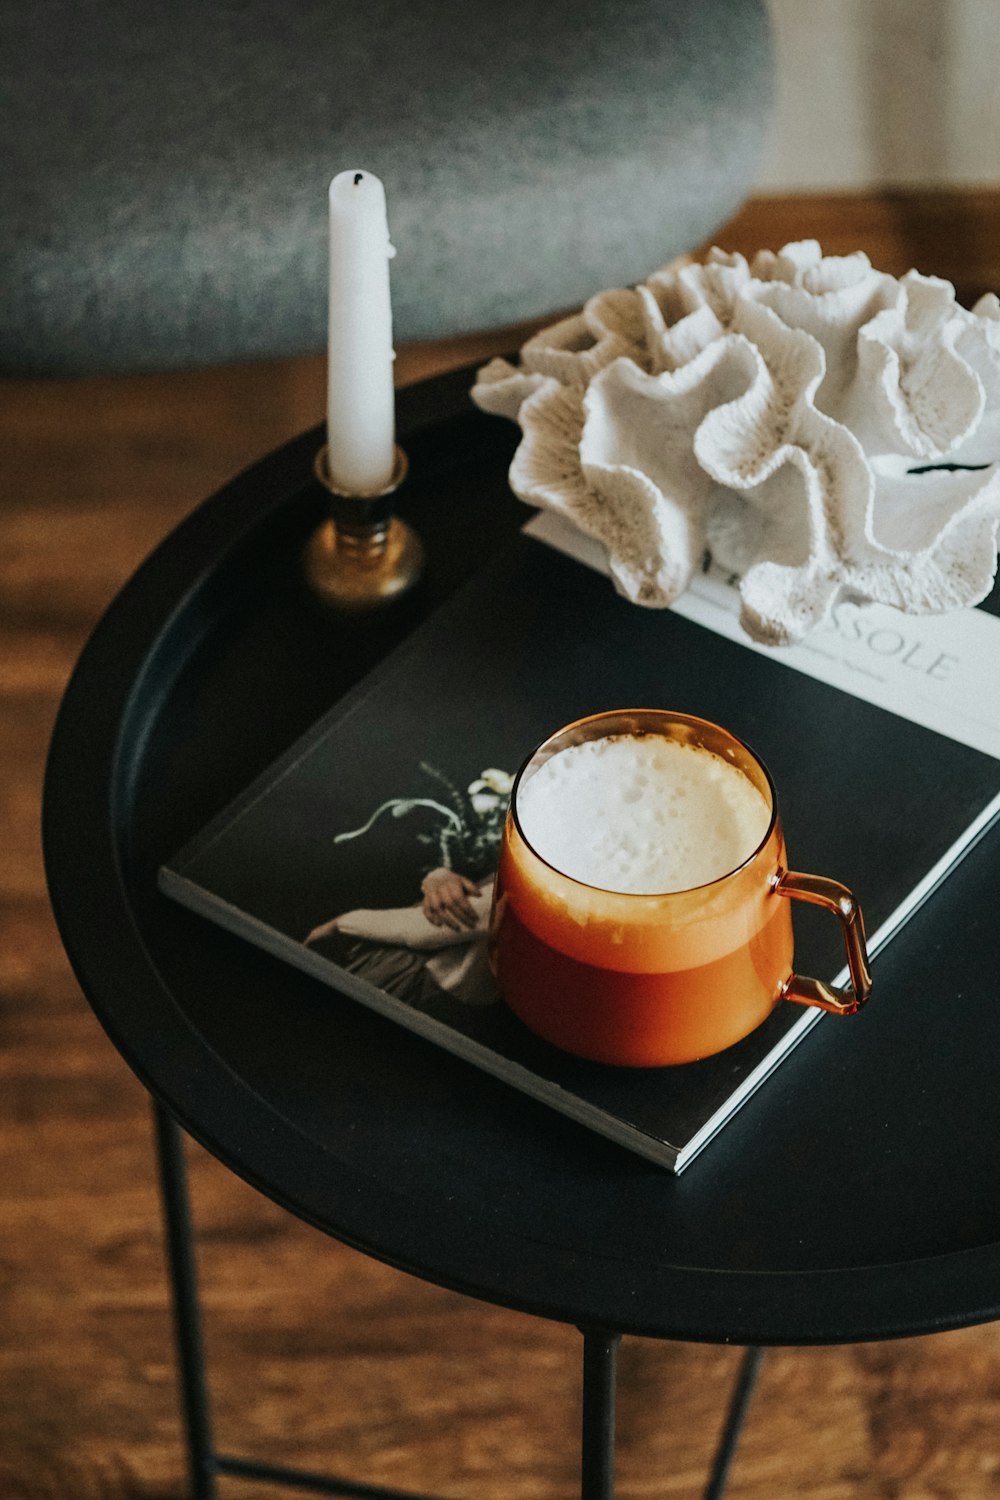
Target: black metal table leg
187	1317
203	1460
597	1468
739	1403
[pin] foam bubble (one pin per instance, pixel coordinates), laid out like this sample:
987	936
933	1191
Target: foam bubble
641	814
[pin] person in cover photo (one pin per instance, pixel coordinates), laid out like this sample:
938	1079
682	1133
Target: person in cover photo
437	946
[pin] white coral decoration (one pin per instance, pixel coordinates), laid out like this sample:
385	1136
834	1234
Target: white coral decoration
821	428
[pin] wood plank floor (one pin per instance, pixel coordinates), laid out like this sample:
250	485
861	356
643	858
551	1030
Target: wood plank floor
317	1356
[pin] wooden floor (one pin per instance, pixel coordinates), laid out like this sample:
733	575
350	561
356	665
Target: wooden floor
318	1357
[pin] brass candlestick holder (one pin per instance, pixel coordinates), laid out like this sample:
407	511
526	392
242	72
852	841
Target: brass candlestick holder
363	556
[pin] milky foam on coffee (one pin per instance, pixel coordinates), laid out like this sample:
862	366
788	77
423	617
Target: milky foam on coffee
641	814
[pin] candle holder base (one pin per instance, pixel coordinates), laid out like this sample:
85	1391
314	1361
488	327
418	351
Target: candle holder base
363	557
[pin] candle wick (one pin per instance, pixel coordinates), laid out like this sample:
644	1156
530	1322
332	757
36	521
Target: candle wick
358	177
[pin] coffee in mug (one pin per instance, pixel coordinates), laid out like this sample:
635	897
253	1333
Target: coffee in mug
640	915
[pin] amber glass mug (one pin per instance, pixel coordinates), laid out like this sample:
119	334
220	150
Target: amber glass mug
649	980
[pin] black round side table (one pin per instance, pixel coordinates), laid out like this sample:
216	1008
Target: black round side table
853	1198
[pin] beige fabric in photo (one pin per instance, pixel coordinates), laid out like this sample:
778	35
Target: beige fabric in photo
406	926
458	962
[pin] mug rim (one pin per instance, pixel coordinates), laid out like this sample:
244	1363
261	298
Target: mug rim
666	713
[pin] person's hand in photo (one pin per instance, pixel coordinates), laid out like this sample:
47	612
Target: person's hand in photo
446	900
319	933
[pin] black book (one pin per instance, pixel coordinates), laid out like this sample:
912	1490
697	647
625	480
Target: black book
321	861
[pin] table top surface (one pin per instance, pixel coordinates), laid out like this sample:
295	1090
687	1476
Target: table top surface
855	1196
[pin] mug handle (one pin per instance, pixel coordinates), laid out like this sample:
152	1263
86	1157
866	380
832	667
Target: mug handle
836	898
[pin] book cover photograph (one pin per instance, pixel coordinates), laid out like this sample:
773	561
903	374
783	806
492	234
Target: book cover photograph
366	855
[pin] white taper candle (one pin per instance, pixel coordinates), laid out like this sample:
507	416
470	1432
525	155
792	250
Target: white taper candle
360	413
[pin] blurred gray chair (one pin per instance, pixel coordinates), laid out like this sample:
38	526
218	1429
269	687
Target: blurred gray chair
164	166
